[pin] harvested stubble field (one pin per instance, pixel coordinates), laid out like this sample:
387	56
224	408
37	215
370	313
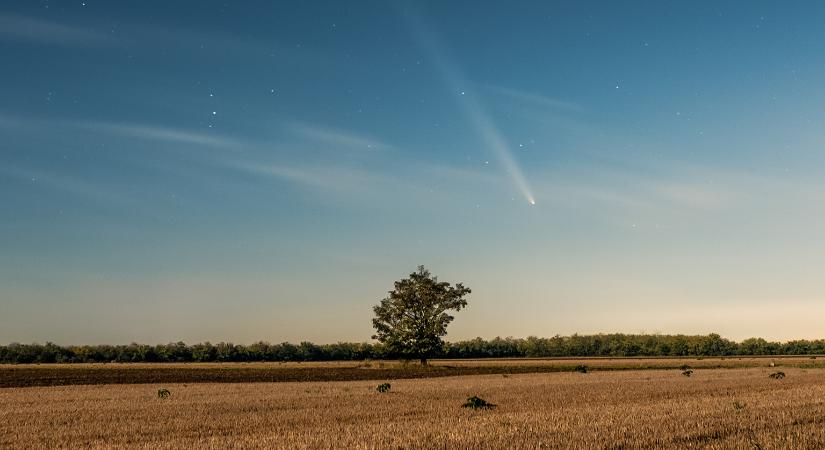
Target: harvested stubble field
741	408
115	373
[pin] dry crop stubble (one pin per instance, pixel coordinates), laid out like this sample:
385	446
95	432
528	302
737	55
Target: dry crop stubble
724	408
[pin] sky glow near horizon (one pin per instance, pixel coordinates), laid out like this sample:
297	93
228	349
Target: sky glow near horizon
260	171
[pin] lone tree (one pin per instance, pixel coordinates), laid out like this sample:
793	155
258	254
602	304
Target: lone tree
412	320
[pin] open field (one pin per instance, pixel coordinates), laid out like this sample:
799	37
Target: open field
741	408
73	374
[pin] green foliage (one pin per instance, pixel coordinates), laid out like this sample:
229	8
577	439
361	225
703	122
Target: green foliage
164	393
777	375
383	387
477	403
411	321
605	345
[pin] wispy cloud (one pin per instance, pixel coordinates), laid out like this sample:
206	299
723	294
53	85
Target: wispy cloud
374	184
23	28
143	131
17	123
336	137
695	194
459	175
215	43
535	99
69	185
158	133
134	36
663	194
335	179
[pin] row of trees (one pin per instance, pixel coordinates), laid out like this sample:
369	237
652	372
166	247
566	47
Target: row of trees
557	346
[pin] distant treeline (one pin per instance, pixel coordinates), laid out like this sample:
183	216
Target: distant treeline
557	346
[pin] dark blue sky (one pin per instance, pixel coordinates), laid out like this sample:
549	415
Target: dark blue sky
265	170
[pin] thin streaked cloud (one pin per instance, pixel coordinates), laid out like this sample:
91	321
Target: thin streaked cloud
143	131
30	29
535	99
336	137
335	179
160	133
368	183
74	186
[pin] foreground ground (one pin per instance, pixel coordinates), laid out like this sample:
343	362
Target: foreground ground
71	374
713	408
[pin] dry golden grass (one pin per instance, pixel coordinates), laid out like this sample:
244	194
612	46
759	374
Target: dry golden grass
723	408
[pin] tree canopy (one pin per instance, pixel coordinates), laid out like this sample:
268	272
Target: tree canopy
413	318
603	345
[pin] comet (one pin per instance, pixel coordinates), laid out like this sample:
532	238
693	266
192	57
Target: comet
471	105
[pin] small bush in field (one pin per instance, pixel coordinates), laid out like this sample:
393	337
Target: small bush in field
580	368
777	375
687	372
738	406
383	387
164	393
475	402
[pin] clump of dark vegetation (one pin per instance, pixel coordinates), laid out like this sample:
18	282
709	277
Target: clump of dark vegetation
738	406
576	345
164	393
777	375
684	367
475	402
580	368
687	372
383	387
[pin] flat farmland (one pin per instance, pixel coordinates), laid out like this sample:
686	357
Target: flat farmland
736	408
142	373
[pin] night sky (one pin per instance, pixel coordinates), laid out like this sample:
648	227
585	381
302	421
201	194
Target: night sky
265	170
